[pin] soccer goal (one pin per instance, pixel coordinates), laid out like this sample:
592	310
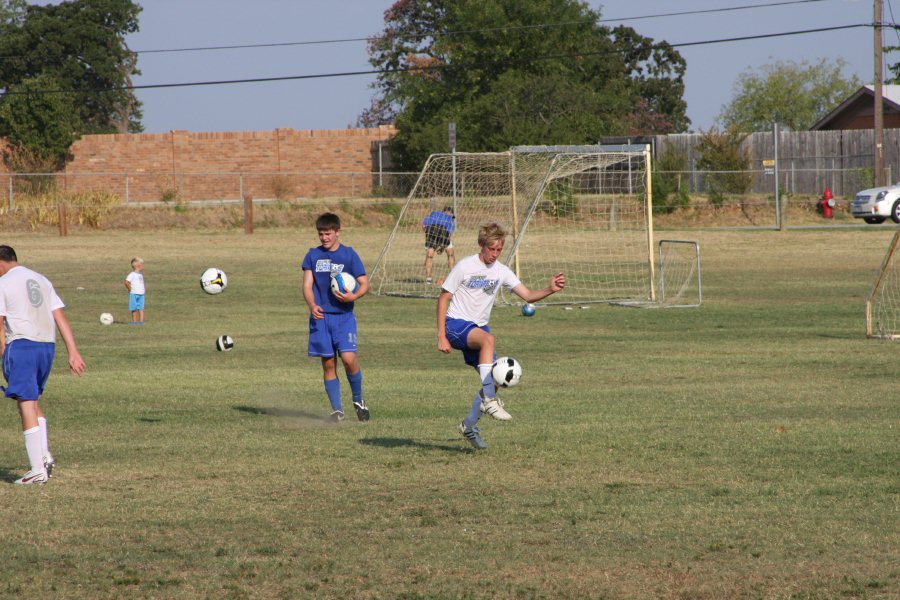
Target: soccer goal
583	210
883	303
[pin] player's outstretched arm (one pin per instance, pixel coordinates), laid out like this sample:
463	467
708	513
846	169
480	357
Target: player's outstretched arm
76	363
557	283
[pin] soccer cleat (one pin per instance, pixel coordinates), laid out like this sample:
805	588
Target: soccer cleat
473	434
337	416
428	281
362	411
49	465
33	477
494	407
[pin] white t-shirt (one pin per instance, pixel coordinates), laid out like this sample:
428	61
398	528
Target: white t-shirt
137	282
475	286
27	302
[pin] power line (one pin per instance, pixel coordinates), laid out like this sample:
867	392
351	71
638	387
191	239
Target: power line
468	31
441	67
485	30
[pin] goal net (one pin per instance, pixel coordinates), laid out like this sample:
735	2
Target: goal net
582	210
883	303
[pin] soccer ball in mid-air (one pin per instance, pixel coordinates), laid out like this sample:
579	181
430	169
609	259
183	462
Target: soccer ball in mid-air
528	309
213	281
224	343
106	318
506	371
343	283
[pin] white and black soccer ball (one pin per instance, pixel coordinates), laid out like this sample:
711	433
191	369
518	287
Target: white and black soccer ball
107	318
224	343
506	371
213	281
343	283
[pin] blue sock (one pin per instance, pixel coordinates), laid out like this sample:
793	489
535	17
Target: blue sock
474	412
333	389
355	380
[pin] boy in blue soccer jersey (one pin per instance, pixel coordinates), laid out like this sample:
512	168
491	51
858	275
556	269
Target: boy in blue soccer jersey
463	311
332	324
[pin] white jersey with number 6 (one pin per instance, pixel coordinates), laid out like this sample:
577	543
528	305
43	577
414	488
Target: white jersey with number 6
27	302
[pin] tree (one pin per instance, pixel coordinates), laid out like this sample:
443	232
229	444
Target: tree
514	72
795	95
46	125
728	164
80	45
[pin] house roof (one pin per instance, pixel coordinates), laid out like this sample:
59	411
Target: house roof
890	95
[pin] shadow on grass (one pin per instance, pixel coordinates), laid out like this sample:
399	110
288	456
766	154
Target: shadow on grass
384	442
279	412
8	475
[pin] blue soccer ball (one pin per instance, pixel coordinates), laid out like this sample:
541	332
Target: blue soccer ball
528	309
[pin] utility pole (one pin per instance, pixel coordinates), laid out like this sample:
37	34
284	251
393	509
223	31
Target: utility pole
879	102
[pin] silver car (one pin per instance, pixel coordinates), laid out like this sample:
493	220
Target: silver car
877	204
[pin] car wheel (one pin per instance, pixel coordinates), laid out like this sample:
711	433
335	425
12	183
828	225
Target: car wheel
895	212
873	220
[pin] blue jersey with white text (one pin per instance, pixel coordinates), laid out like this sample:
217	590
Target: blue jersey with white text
323	263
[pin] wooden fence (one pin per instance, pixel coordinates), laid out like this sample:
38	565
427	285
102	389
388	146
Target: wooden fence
808	161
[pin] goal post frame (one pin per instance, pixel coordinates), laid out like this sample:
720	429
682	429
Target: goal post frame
879	281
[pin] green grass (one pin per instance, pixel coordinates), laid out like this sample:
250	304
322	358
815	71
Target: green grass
749	448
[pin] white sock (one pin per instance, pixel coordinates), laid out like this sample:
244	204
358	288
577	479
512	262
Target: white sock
45	444
487	381
33	448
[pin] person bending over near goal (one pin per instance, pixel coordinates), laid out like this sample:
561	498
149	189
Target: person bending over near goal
438	226
30	314
463	311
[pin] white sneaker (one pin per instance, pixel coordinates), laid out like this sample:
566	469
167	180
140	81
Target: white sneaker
494	407
33	477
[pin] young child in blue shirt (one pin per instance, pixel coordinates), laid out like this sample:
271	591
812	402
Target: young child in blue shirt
332	324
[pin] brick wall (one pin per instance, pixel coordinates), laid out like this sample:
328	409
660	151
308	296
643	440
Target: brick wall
184	165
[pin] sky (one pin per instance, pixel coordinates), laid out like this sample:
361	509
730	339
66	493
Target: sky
325	102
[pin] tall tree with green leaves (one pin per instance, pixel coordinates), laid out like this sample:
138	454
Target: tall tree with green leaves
79	45
517	72
796	95
44	125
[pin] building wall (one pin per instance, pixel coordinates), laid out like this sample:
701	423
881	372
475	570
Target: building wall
185	165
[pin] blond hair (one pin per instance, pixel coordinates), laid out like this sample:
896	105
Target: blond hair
490	233
136	261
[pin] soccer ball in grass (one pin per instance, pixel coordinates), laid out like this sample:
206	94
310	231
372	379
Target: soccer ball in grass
528	309
224	343
506	371
106	318
213	281
343	283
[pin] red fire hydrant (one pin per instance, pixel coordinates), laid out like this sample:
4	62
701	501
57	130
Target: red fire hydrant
826	204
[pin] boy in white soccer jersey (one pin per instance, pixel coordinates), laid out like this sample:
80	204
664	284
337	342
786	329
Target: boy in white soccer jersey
332	324
30	314
134	283
463	311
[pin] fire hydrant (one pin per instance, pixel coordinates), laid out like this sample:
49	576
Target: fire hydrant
826	204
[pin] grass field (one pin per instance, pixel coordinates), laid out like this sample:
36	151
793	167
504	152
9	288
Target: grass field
749	448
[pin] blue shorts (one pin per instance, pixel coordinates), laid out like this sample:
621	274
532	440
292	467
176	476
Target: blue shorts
135	301
26	367
458	333
335	333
